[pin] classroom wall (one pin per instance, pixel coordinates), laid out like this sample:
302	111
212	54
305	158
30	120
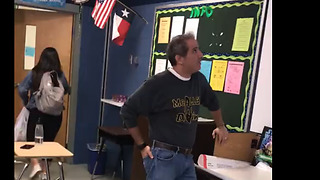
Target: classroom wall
262	109
89	86
122	78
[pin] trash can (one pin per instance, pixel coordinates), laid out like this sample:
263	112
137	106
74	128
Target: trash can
93	149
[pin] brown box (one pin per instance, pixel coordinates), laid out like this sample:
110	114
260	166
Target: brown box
239	146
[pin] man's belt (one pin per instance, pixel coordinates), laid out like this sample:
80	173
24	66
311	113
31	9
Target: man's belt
178	149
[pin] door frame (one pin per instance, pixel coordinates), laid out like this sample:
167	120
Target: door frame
74	68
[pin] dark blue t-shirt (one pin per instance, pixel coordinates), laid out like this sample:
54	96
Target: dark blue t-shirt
171	105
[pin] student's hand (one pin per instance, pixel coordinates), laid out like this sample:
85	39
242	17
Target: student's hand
146	152
221	133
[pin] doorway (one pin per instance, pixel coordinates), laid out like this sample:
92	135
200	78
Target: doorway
52	29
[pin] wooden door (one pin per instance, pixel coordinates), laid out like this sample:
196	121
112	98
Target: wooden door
53	29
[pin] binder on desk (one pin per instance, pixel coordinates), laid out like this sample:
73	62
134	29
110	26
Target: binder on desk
239	146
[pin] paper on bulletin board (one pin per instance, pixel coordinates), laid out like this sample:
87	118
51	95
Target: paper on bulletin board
234	77
177	26
192	26
169	65
218	74
30	46
242	34
164	28
160	66
206	69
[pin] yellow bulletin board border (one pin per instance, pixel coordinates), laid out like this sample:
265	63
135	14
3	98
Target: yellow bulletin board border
214	56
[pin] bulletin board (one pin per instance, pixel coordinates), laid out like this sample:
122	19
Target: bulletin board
227	33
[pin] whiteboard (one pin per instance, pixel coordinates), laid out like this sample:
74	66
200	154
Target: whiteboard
262	108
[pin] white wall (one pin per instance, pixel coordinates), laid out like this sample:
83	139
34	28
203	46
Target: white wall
262	109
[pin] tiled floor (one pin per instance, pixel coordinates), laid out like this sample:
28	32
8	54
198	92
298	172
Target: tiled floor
71	172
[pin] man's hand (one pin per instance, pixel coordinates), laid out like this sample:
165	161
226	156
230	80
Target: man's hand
146	152
222	134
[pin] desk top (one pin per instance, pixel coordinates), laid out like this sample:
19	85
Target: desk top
116	131
45	150
246	173
110	101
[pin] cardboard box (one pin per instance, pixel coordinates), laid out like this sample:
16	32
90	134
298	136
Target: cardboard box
239	146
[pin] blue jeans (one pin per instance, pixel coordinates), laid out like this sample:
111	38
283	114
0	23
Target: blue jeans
169	165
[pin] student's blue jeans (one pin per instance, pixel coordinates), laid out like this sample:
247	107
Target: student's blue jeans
169	165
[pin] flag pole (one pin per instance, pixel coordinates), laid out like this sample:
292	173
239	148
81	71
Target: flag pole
133	11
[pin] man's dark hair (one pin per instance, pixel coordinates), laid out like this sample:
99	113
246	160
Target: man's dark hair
178	46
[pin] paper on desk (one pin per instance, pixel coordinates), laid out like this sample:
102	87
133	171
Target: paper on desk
213	162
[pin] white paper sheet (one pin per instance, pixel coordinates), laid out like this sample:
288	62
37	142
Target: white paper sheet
192	26
160	66
169	65
177	26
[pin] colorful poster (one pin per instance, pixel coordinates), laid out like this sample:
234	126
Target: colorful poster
206	69
218	74
164	28
30	47
177	26
234	77
242	34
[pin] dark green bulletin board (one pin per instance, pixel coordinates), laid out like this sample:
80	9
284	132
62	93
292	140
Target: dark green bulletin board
215	35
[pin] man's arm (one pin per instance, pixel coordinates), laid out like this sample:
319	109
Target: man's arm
136	135
137	104
221	131
210	100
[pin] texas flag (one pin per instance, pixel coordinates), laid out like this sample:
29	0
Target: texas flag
121	23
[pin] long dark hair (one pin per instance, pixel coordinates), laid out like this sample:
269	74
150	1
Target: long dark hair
49	60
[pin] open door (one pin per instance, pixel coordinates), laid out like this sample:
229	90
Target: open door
52	29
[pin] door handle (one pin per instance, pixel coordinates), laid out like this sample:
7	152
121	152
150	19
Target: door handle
16	85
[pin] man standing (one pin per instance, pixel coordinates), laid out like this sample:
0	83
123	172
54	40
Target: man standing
171	101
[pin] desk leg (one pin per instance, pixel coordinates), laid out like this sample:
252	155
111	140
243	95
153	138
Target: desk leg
23	170
96	163
121	161
61	170
47	168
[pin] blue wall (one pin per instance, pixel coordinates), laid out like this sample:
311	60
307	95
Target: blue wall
89	86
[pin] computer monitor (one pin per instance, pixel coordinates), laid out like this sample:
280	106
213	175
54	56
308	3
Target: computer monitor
266	137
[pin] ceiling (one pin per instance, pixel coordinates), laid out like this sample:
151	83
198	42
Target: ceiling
129	3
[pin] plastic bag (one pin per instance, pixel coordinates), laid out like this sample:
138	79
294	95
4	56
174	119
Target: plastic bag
20	128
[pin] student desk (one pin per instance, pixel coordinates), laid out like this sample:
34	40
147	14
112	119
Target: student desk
118	135
46	150
246	173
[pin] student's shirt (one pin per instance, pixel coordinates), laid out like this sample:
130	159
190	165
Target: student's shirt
25	87
171	104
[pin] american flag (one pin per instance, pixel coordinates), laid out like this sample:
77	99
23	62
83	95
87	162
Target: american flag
102	11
